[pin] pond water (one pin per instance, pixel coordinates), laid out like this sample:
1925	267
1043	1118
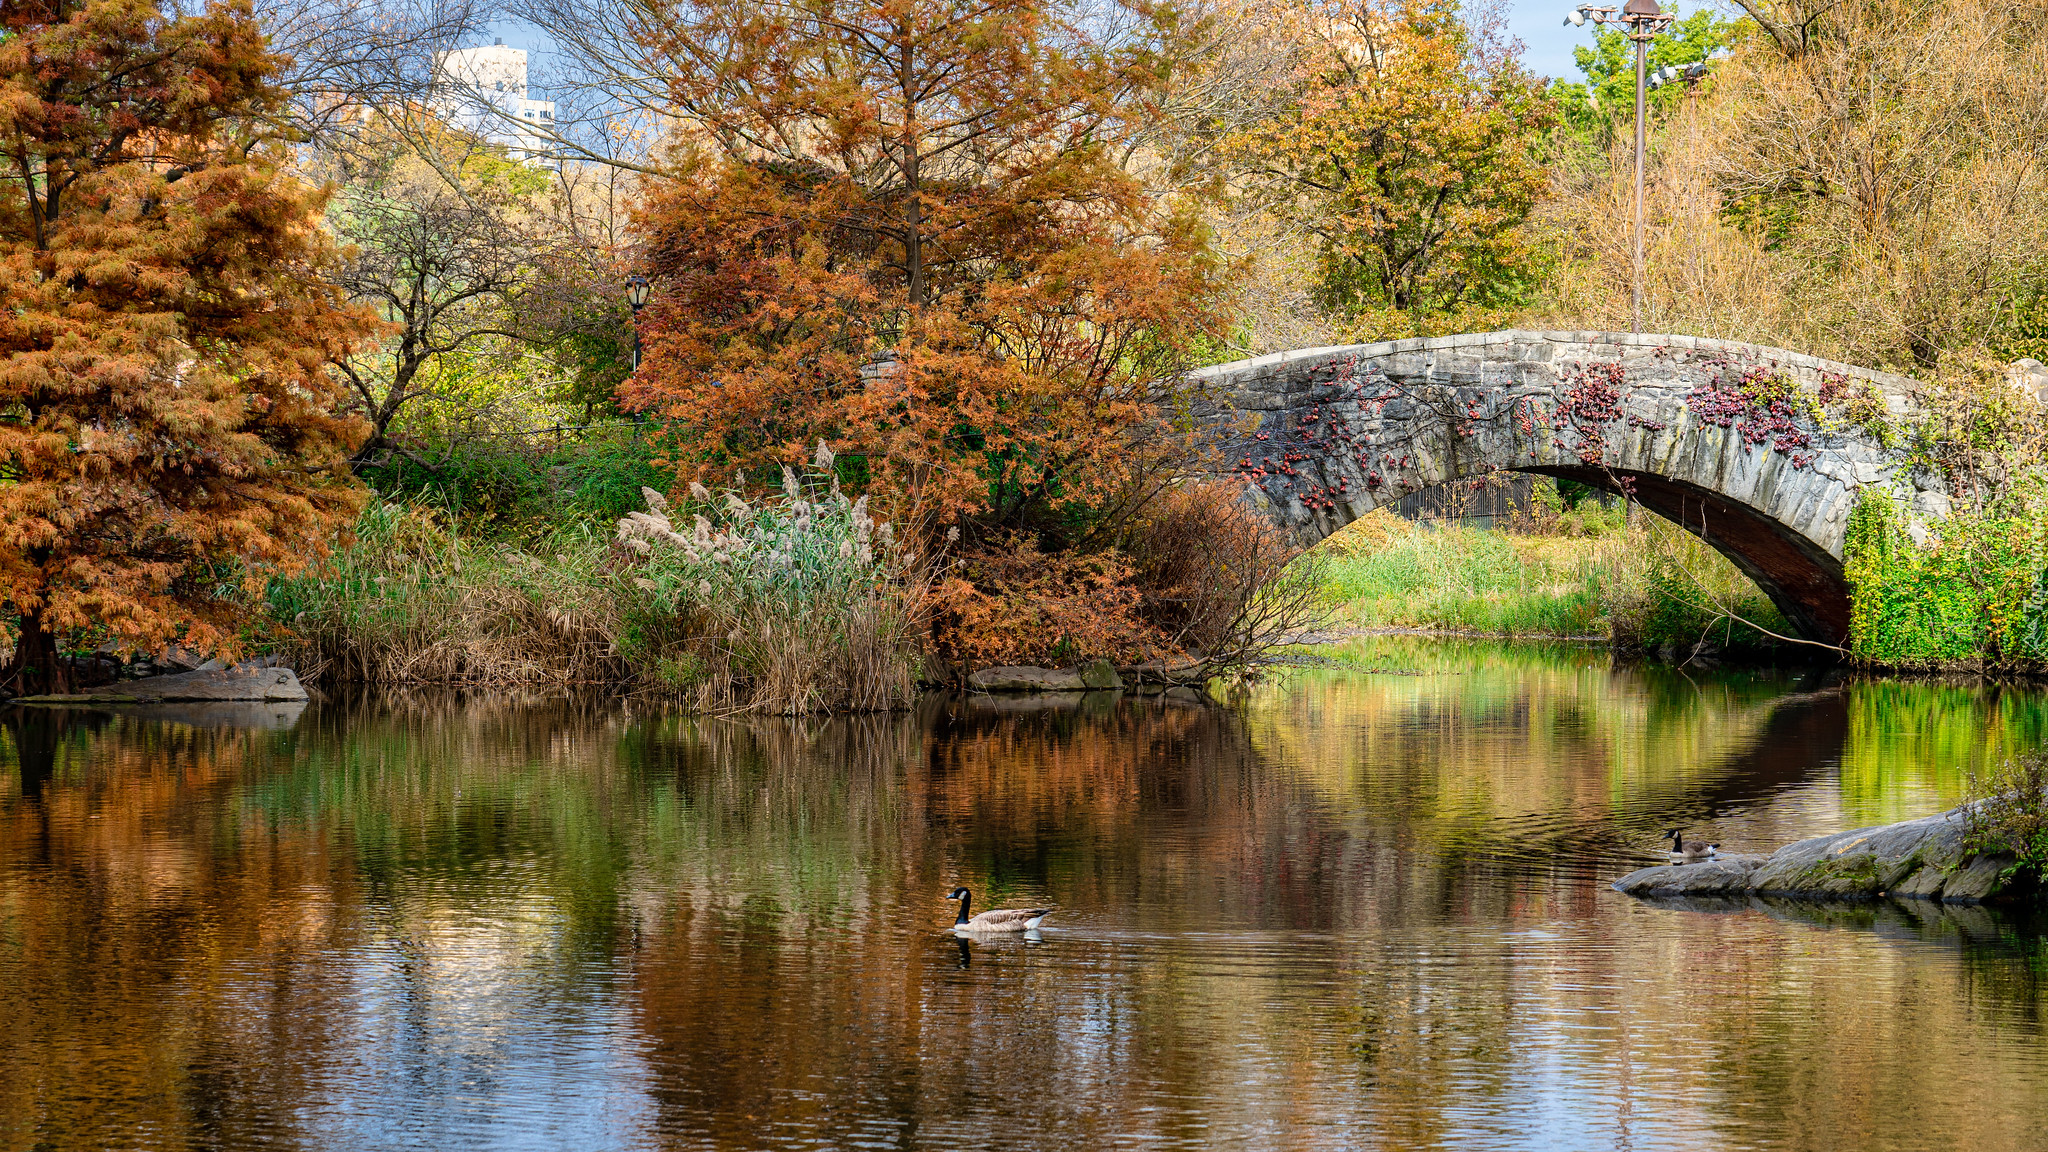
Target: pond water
1358	908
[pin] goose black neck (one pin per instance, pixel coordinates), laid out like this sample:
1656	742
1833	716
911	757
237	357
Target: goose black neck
966	898
1677	844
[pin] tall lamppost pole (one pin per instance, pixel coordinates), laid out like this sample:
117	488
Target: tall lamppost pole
1643	21
636	295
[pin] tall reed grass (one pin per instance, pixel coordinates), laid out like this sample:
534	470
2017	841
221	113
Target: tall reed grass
796	604
408	601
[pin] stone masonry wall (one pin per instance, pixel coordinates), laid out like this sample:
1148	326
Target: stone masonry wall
1759	451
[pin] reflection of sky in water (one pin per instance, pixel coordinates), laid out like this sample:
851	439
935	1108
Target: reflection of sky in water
1353	911
466	1039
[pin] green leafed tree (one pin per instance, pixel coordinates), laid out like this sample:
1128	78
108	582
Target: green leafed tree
1606	100
444	236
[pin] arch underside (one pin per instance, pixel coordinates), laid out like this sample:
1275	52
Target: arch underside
1804	581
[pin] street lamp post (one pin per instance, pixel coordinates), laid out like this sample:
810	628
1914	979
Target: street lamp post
1643	21
636	295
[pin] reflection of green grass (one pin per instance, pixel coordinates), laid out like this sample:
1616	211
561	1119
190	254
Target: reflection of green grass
1452	737
1418	654
1915	744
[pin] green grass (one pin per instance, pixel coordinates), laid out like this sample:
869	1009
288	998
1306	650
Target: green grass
1651	586
1466	580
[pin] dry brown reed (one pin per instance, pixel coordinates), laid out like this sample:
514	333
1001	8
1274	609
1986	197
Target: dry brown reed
1872	188
409	603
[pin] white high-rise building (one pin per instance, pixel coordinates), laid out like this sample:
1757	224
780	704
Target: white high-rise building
483	91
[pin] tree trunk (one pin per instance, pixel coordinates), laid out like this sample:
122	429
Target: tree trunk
913	183
381	415
37	733
35	668
913	250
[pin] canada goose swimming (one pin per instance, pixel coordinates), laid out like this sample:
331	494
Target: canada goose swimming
1689	851
995	919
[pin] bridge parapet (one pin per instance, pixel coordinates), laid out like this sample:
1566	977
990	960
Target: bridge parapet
1759	451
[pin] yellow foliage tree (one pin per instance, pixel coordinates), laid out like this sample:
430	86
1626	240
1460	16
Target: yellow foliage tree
1410	153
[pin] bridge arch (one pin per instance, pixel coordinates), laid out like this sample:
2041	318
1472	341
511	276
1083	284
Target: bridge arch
1758	451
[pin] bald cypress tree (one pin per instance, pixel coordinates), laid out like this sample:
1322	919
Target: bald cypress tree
169	430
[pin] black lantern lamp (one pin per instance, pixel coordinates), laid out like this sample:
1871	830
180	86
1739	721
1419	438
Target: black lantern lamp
636	295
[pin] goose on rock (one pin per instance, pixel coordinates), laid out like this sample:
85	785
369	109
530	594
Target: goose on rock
995	919
1686	851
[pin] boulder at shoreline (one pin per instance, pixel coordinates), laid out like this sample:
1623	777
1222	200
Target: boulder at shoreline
1027	679
1928	858
1094	676
247	682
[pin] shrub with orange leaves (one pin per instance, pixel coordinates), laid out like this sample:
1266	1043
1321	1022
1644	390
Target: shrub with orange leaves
899	227
168	427
1009	603
1193	575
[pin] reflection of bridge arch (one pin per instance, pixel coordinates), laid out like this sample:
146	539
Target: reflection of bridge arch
1758	451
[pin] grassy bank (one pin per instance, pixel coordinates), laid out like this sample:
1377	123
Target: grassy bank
787	605
531	565
801	602
1586	573
798	601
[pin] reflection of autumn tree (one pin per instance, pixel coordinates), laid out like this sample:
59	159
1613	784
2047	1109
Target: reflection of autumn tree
1267	914
136	936
210	897
753	967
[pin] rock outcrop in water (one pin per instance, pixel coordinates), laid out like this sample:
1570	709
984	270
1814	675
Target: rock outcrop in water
1929	858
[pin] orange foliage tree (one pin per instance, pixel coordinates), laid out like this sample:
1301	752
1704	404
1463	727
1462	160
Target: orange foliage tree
168	426
896	226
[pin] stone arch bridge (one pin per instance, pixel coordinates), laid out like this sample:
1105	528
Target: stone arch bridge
1758	451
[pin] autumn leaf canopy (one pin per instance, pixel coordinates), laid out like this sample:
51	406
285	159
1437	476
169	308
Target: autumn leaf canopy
899	228
168	427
